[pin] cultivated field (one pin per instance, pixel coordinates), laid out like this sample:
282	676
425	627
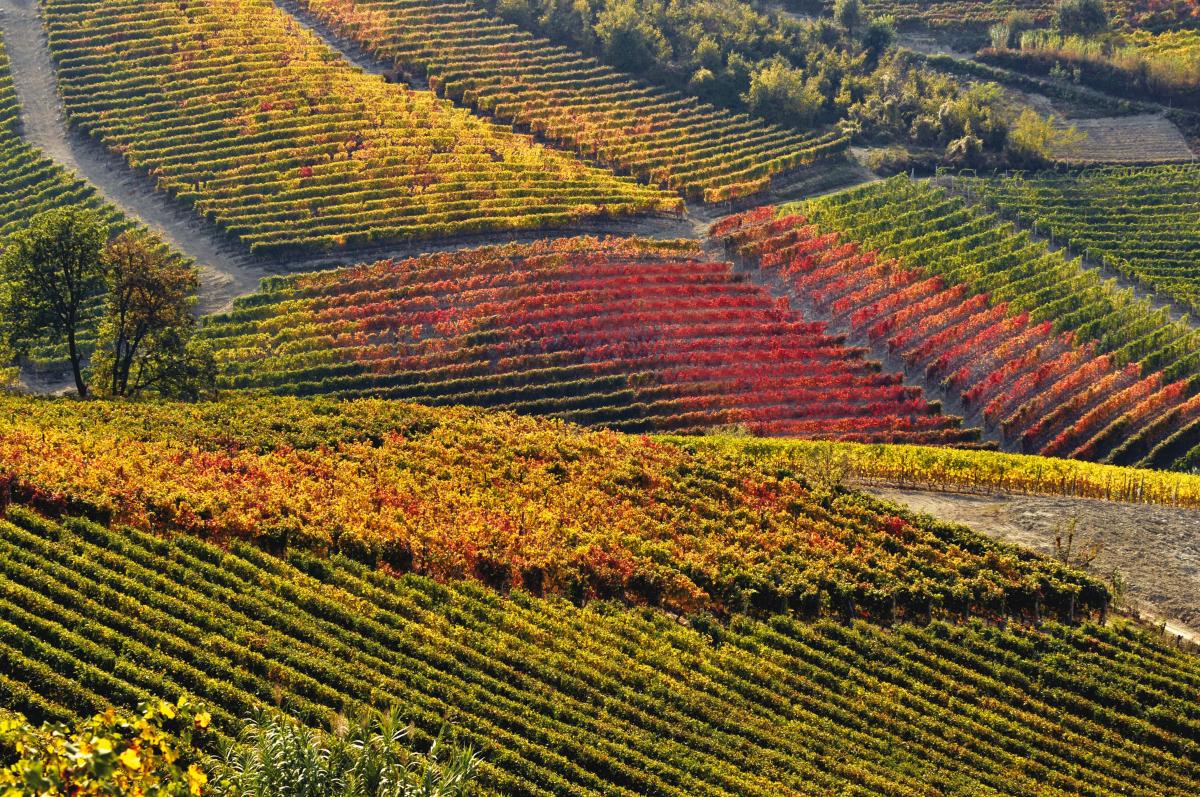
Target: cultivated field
520	398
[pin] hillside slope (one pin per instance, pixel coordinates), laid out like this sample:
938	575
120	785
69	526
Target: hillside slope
631	334
599	700
516	502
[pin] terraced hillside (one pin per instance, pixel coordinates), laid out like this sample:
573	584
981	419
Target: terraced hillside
513	501
604	115
1139	139
634	335
561	699
31	183
231	106
1057	360
1143	223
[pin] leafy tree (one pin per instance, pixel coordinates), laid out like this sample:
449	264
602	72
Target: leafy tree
780	93
368	757
107	755
51	269
10	374
878	36
628	39
1080	17
146	335
849	15
1033	138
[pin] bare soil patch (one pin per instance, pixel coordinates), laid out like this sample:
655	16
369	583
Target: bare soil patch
1155	549
1145	138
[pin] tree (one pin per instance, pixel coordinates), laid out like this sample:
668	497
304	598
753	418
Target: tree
1080	17
146	337
1034	139
629	39
52	269
780	93
368	757
10	374
849	15
109	754
879	36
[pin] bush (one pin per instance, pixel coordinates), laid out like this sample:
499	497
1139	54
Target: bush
109	754
368	757
1080	17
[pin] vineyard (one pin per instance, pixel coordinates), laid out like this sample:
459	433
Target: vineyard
575	101
230	106
955	13
31	183
635	335
563	700
1143	223
946	469
1164	65
1056	360
517	502
584	509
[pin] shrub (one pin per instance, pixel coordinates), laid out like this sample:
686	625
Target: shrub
110	754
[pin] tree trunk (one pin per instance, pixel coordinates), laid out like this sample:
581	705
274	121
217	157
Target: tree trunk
76	368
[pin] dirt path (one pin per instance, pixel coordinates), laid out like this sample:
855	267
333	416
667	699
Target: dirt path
225	271
1155	549
228	270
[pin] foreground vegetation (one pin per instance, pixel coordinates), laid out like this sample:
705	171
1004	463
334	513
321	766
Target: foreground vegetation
600	700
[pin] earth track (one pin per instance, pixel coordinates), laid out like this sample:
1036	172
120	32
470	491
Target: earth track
228	270
1156	549
225	273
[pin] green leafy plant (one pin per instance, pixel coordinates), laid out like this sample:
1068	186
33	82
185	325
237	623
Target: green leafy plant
367	756
110	754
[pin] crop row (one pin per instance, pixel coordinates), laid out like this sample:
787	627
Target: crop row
1144	223
1036	385
942	468
568	701
270	134
936	236
515	502
628	334
575	101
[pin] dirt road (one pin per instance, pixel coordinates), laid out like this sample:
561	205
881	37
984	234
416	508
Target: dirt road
225	271
1155	549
